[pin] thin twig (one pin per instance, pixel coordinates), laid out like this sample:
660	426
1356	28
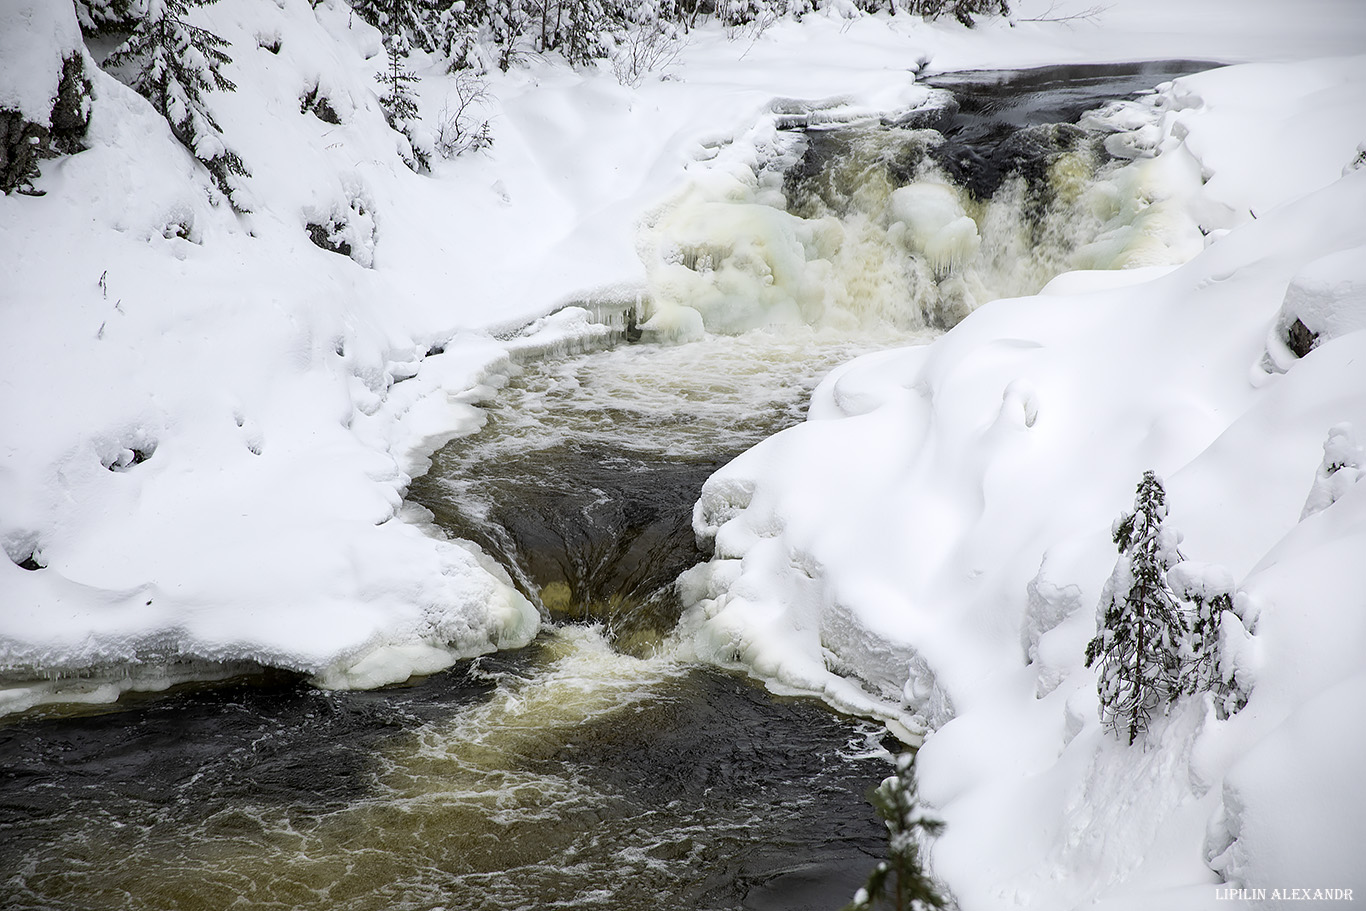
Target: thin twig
1090	14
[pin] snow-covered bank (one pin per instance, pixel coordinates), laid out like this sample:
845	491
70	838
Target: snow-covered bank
209	421
938	531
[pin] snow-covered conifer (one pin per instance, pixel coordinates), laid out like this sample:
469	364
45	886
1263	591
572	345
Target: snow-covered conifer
1344	463
1208	591
900	882
584	29
98	15
508	22
172	64
399	102
459	33
413	19
962	10
1141	631
25	140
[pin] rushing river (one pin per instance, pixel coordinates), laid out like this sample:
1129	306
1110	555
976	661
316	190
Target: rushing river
600	767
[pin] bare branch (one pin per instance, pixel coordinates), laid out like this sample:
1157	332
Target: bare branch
644	51
458	128
1090	14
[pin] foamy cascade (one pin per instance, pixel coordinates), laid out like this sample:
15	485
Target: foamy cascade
879	234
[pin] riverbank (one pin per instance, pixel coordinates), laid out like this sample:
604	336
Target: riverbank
940	531
210	421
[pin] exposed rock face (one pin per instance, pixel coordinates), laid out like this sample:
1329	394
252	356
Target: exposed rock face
328	238
320	105
1300	339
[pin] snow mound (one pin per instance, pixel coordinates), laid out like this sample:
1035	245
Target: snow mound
946	509
1325	299
210	420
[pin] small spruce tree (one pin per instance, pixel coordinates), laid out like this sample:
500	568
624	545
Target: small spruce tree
899	881
1142	632
399	103
172	64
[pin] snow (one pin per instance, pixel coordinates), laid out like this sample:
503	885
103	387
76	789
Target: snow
209	422
35	37
1340	469
1328	295
938	532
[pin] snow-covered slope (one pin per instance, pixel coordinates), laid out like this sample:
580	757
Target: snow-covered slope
939	530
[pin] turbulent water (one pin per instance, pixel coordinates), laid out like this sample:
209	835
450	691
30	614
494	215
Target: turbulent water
985	193
567	775
598	768
601	767
582	481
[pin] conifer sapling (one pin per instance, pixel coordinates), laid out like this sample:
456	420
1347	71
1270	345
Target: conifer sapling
172	64
399	102
1141	629
899	881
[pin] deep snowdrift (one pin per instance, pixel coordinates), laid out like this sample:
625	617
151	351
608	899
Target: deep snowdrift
938	530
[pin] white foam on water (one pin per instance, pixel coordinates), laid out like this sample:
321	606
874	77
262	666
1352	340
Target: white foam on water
732	251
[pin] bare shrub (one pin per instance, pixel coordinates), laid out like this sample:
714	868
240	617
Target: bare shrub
644	50
460	126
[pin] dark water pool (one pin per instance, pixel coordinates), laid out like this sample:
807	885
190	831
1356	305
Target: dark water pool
496	785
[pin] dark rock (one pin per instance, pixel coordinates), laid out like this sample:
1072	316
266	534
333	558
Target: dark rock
1300	339
321	236
140	455
321	107
29	563
633	332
